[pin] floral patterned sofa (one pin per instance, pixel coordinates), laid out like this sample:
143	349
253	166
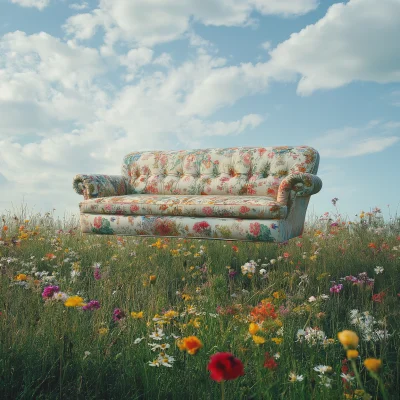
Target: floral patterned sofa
240	193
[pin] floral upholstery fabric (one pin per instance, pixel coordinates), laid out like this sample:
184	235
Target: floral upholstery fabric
254	171
93	186
174	226
256	207
241	193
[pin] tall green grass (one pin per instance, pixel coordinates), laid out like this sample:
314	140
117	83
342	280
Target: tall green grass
50	351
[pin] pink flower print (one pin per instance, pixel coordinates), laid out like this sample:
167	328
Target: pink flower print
207	211
199	227
97	222
134	208
244	210
255	228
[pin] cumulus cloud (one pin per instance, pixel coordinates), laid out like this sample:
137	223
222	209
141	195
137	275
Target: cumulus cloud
352	142
150	22
39	4
354	41
79	6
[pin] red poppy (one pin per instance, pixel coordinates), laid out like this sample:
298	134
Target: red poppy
225	367
269	362
235	248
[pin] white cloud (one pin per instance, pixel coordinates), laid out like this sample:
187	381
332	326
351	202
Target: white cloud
39	4
47	81
135	59
79	6
150	22
352	142
354	41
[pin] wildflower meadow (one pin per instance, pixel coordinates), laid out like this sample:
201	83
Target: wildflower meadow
118	317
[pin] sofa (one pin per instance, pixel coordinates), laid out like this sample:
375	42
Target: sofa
240	193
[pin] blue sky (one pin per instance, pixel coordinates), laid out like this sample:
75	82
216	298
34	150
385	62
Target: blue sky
83	83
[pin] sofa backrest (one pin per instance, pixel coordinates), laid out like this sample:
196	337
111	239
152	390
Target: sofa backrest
230	171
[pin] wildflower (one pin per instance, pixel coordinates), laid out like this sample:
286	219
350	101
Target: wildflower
269	362
378	297
92	305
224	367
96	272
258	339
118	315
165	360
347	377
60	296
336	288
87	354
348	338
157	335
352	354
103	331
334	200
312	299
277	340
137	315
21	277
155	346
152	279
262	271
323	369
373	364
138	340
154	363
191	344
272	262
295	378
235	249
49	291
378	270
253	328
263	311
74	301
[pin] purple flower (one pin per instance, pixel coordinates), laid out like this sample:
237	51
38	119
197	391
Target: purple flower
232	274
336	288
49	291
97	273
92	305
118	315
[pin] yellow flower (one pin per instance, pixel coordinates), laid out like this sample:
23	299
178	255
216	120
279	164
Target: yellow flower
348	339
352	354
279	294
258	339
313	258
186	297
74	301
373	364
191	344
253	328
171	314
103	331
277	340
137	315
21	277
152	279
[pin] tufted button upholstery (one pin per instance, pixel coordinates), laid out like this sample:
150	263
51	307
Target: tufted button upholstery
231	171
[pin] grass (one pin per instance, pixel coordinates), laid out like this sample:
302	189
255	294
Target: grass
197	288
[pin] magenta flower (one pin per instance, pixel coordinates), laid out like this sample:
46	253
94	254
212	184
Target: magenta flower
336	288
97	273
118	315
49	291
92	305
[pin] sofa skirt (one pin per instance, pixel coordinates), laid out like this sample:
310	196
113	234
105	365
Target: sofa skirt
259	230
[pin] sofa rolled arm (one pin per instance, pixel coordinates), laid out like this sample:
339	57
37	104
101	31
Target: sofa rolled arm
304	184
93	186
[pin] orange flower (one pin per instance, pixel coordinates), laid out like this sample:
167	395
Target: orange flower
5	228
21	277
235	249
263	311
373	364
352	354
348	339
372	245
191	344
153	279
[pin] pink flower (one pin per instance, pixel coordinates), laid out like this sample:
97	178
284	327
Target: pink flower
49	291
244	210
97	222
255	228
207	211
336	288
134	208
199	227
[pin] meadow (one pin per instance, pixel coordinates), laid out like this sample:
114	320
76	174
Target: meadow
117	317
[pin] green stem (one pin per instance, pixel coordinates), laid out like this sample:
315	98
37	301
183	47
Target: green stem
354	366
223	390
381	385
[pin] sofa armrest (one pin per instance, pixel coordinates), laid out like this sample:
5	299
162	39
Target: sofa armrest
304	184
93	186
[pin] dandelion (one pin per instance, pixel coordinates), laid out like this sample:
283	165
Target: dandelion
74	301
137	315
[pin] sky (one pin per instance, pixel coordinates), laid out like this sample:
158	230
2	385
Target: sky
82	83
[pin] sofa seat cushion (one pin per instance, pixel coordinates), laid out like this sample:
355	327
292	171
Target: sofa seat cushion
247	207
